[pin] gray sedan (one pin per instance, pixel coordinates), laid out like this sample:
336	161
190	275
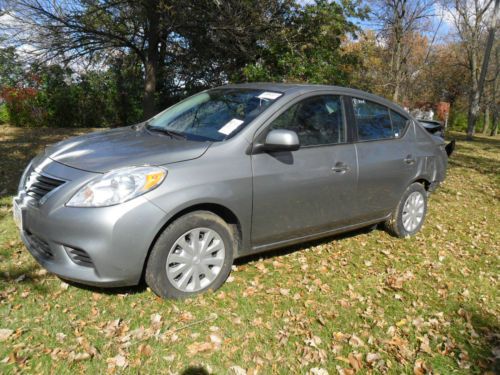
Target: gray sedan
228	172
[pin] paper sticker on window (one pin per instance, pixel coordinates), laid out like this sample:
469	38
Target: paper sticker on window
231	126
269	95
331	107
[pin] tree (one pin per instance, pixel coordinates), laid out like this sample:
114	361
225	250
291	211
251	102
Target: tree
397	21
220	38
11	71
15	94
309	46
492	26
125	76
64	31
470	18
169	37
494	102
370	74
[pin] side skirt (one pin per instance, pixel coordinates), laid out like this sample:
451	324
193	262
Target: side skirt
310	237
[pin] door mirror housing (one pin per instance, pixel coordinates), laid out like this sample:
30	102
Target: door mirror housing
281	140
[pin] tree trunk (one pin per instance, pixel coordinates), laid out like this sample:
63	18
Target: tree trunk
397	71
478	85
474	96
148	101
495	105
473	112
486	121
122	97
151	62
494	129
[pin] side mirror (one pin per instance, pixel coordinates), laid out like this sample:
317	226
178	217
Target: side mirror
281	140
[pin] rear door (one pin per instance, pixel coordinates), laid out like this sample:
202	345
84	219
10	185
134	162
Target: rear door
310	190
386	160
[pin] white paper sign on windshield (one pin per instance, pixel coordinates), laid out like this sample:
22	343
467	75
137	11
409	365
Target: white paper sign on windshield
269	95
231	126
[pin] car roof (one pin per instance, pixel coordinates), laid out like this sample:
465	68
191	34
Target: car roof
298	88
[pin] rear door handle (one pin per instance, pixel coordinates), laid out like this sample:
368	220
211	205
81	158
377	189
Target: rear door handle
341	167
409	159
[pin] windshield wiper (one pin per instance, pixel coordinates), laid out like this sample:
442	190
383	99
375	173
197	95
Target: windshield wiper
170	133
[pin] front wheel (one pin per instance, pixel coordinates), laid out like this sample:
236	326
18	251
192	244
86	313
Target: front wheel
408	216
192	255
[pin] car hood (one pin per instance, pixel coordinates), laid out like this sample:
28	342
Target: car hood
106	150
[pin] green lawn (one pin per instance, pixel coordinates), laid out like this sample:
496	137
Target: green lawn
364	302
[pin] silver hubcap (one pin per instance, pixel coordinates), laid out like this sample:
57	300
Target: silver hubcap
195	259
413	211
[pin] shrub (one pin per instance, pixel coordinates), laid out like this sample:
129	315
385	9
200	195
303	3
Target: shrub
23	106
4	114
51	96
458	120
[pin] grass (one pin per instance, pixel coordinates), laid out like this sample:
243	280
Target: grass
363	302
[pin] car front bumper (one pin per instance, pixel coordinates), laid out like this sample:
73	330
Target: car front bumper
96	246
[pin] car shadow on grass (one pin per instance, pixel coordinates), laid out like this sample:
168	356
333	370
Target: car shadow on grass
481	344
490	141
489	333
195	370
25	275
480	164
130	290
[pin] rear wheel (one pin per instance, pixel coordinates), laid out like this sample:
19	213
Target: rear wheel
409	215
192	255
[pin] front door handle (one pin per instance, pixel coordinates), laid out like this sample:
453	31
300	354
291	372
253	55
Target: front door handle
341	167
409	159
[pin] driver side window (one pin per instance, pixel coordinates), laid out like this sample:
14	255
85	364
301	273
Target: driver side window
317	120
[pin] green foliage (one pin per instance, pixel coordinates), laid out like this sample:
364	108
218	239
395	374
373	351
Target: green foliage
16	91
4	114
11	71
125	90
308	47
458	120
24	106
56	97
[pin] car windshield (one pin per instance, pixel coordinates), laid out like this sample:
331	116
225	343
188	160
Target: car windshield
213	115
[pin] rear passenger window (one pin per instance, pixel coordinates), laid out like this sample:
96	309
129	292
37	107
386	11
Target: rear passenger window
399	123
372	120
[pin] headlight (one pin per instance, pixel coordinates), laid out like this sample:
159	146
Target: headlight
118	186
22	181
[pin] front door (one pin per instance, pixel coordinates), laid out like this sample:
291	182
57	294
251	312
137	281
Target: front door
311	190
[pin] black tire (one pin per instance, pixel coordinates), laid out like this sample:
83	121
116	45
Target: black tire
156	273
394	225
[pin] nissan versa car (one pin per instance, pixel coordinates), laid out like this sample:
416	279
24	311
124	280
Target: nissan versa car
229	172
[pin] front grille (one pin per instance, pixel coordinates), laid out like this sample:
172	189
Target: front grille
79	257
39	246
38	185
